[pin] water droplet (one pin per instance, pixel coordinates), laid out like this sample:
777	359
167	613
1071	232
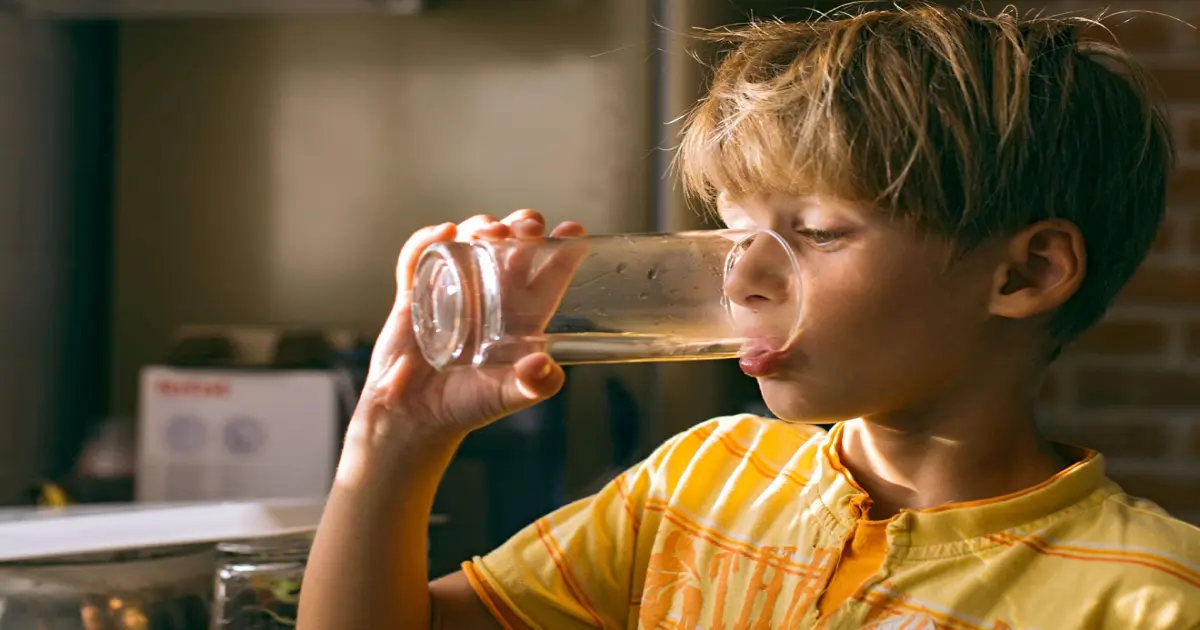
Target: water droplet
602	313
652	274
673	292
621	267
643	296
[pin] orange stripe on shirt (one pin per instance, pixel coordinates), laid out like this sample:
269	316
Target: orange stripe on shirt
719	541
766	469
1167	563
492	600
884	603
1091	555
560	561
741	452
619	484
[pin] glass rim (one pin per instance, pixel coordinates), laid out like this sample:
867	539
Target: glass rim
793	263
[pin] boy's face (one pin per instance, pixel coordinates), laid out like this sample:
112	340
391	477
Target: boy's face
886	322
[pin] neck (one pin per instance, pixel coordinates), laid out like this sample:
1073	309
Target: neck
947	453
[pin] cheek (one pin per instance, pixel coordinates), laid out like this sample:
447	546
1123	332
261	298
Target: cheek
837	304
877	332
866	345
881	311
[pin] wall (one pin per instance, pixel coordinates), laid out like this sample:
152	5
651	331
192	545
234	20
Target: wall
269	170
55	190
1131	387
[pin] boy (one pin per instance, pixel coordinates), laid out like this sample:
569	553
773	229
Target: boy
966	193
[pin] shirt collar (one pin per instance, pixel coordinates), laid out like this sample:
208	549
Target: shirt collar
956	522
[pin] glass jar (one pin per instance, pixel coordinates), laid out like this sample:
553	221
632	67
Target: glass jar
257	585
258	582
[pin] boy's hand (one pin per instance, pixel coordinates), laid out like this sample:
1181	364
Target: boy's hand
404	397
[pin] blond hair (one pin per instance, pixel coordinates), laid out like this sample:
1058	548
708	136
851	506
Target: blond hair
968	124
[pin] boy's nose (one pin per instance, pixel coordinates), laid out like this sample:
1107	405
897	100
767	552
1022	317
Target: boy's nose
761	273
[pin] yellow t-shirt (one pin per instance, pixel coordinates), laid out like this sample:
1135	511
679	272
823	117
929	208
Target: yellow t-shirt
748	523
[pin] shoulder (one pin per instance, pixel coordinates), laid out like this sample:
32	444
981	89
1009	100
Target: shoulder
741	448
1152	560
740	437
1134	523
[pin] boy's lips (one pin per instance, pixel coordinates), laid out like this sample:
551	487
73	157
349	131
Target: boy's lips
762	357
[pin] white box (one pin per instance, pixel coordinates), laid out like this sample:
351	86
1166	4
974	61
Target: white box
230	434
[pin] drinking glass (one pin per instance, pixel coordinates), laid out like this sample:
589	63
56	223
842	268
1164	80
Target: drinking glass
708	294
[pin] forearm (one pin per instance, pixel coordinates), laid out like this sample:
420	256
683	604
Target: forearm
368	565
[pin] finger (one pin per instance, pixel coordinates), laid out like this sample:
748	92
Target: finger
480	226
494	232
406	264
534	378
554	274
525	215
523	253
568	229
525	225
395	337
528	229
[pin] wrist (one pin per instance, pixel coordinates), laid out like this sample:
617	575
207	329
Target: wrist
376	428
381	444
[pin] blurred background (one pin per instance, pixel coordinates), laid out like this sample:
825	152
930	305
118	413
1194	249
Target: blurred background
186	198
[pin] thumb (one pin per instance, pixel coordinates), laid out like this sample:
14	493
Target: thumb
533	379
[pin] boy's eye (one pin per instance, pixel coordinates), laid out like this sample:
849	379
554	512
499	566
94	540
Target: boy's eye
820	238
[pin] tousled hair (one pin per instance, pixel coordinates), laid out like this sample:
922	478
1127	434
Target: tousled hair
968	124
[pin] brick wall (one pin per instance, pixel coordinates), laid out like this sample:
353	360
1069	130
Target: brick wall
1131	387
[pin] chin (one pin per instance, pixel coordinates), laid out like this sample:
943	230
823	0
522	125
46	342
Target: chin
791	403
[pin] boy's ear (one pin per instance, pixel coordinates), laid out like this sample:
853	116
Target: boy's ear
1042	268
